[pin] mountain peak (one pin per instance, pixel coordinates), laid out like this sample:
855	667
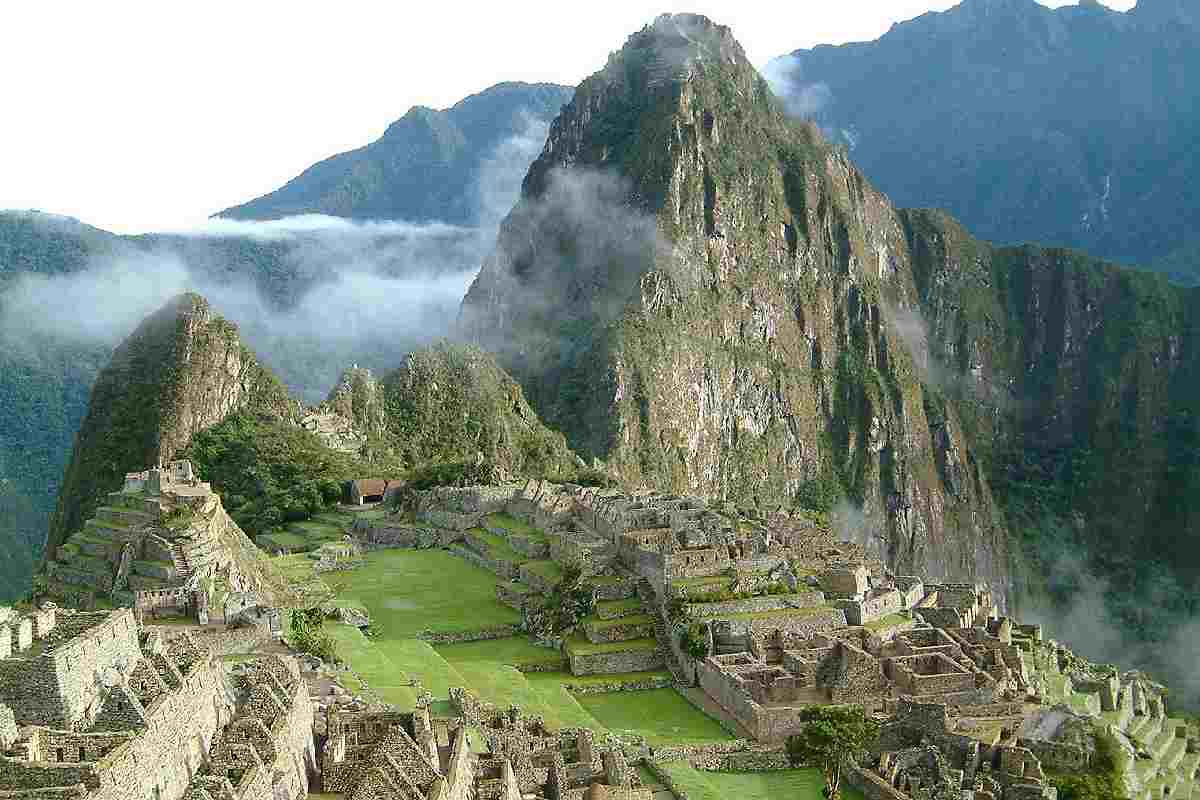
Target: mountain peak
672	47
182	370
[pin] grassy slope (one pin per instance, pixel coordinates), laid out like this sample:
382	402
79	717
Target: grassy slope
799	784
407	591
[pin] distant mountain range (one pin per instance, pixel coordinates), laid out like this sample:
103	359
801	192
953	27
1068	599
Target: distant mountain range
423	168
1072	127
462	166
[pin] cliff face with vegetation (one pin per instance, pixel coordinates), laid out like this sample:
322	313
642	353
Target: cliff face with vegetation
708	296
1079	383
183	370
713	299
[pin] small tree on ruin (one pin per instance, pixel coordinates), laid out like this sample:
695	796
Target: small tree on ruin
832	738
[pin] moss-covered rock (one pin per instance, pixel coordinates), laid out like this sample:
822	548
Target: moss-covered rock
453	404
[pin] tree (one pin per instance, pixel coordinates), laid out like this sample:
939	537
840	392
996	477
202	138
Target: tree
832	737
309	637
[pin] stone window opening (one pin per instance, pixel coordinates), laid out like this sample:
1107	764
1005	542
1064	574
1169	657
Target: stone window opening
83	754
60	755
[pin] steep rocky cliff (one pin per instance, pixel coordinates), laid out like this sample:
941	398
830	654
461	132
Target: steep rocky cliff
183	370
710	297
1080	381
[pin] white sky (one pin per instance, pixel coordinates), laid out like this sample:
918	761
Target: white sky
151	115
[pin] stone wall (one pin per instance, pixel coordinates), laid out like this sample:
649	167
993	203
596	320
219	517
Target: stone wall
929	674
623	661
696	563
802	624
751	605
873	607
180	727
478	635
8	728
57	686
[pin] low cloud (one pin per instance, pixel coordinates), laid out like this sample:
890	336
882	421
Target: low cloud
800	99
311	294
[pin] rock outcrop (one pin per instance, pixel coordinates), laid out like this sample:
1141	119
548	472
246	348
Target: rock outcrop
450	403
184	369
707	295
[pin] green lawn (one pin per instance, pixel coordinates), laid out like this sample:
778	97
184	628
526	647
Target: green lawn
514	525
513	650
795	784
578	645
407	591
663	716
384	677
505	686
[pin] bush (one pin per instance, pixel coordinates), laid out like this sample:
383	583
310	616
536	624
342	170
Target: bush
270	473
308	636
694	641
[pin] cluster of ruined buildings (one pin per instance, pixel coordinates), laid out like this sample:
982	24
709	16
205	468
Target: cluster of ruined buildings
156	545
792	618
94	705
481	752
973	705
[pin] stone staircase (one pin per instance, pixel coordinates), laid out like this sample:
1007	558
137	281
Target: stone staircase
183	569
662	634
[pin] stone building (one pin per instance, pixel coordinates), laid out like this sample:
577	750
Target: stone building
97	707
366	491
482	752
157	545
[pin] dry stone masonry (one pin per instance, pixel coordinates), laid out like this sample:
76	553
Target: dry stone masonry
160	544
972	702
95	706
481	752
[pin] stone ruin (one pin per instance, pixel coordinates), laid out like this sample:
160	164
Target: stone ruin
791	617
482	752
157	544
94	706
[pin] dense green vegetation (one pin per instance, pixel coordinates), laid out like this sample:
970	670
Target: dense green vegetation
307	634
1102	781
269	472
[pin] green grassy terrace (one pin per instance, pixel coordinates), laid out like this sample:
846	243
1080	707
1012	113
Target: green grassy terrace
577	645
796	784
